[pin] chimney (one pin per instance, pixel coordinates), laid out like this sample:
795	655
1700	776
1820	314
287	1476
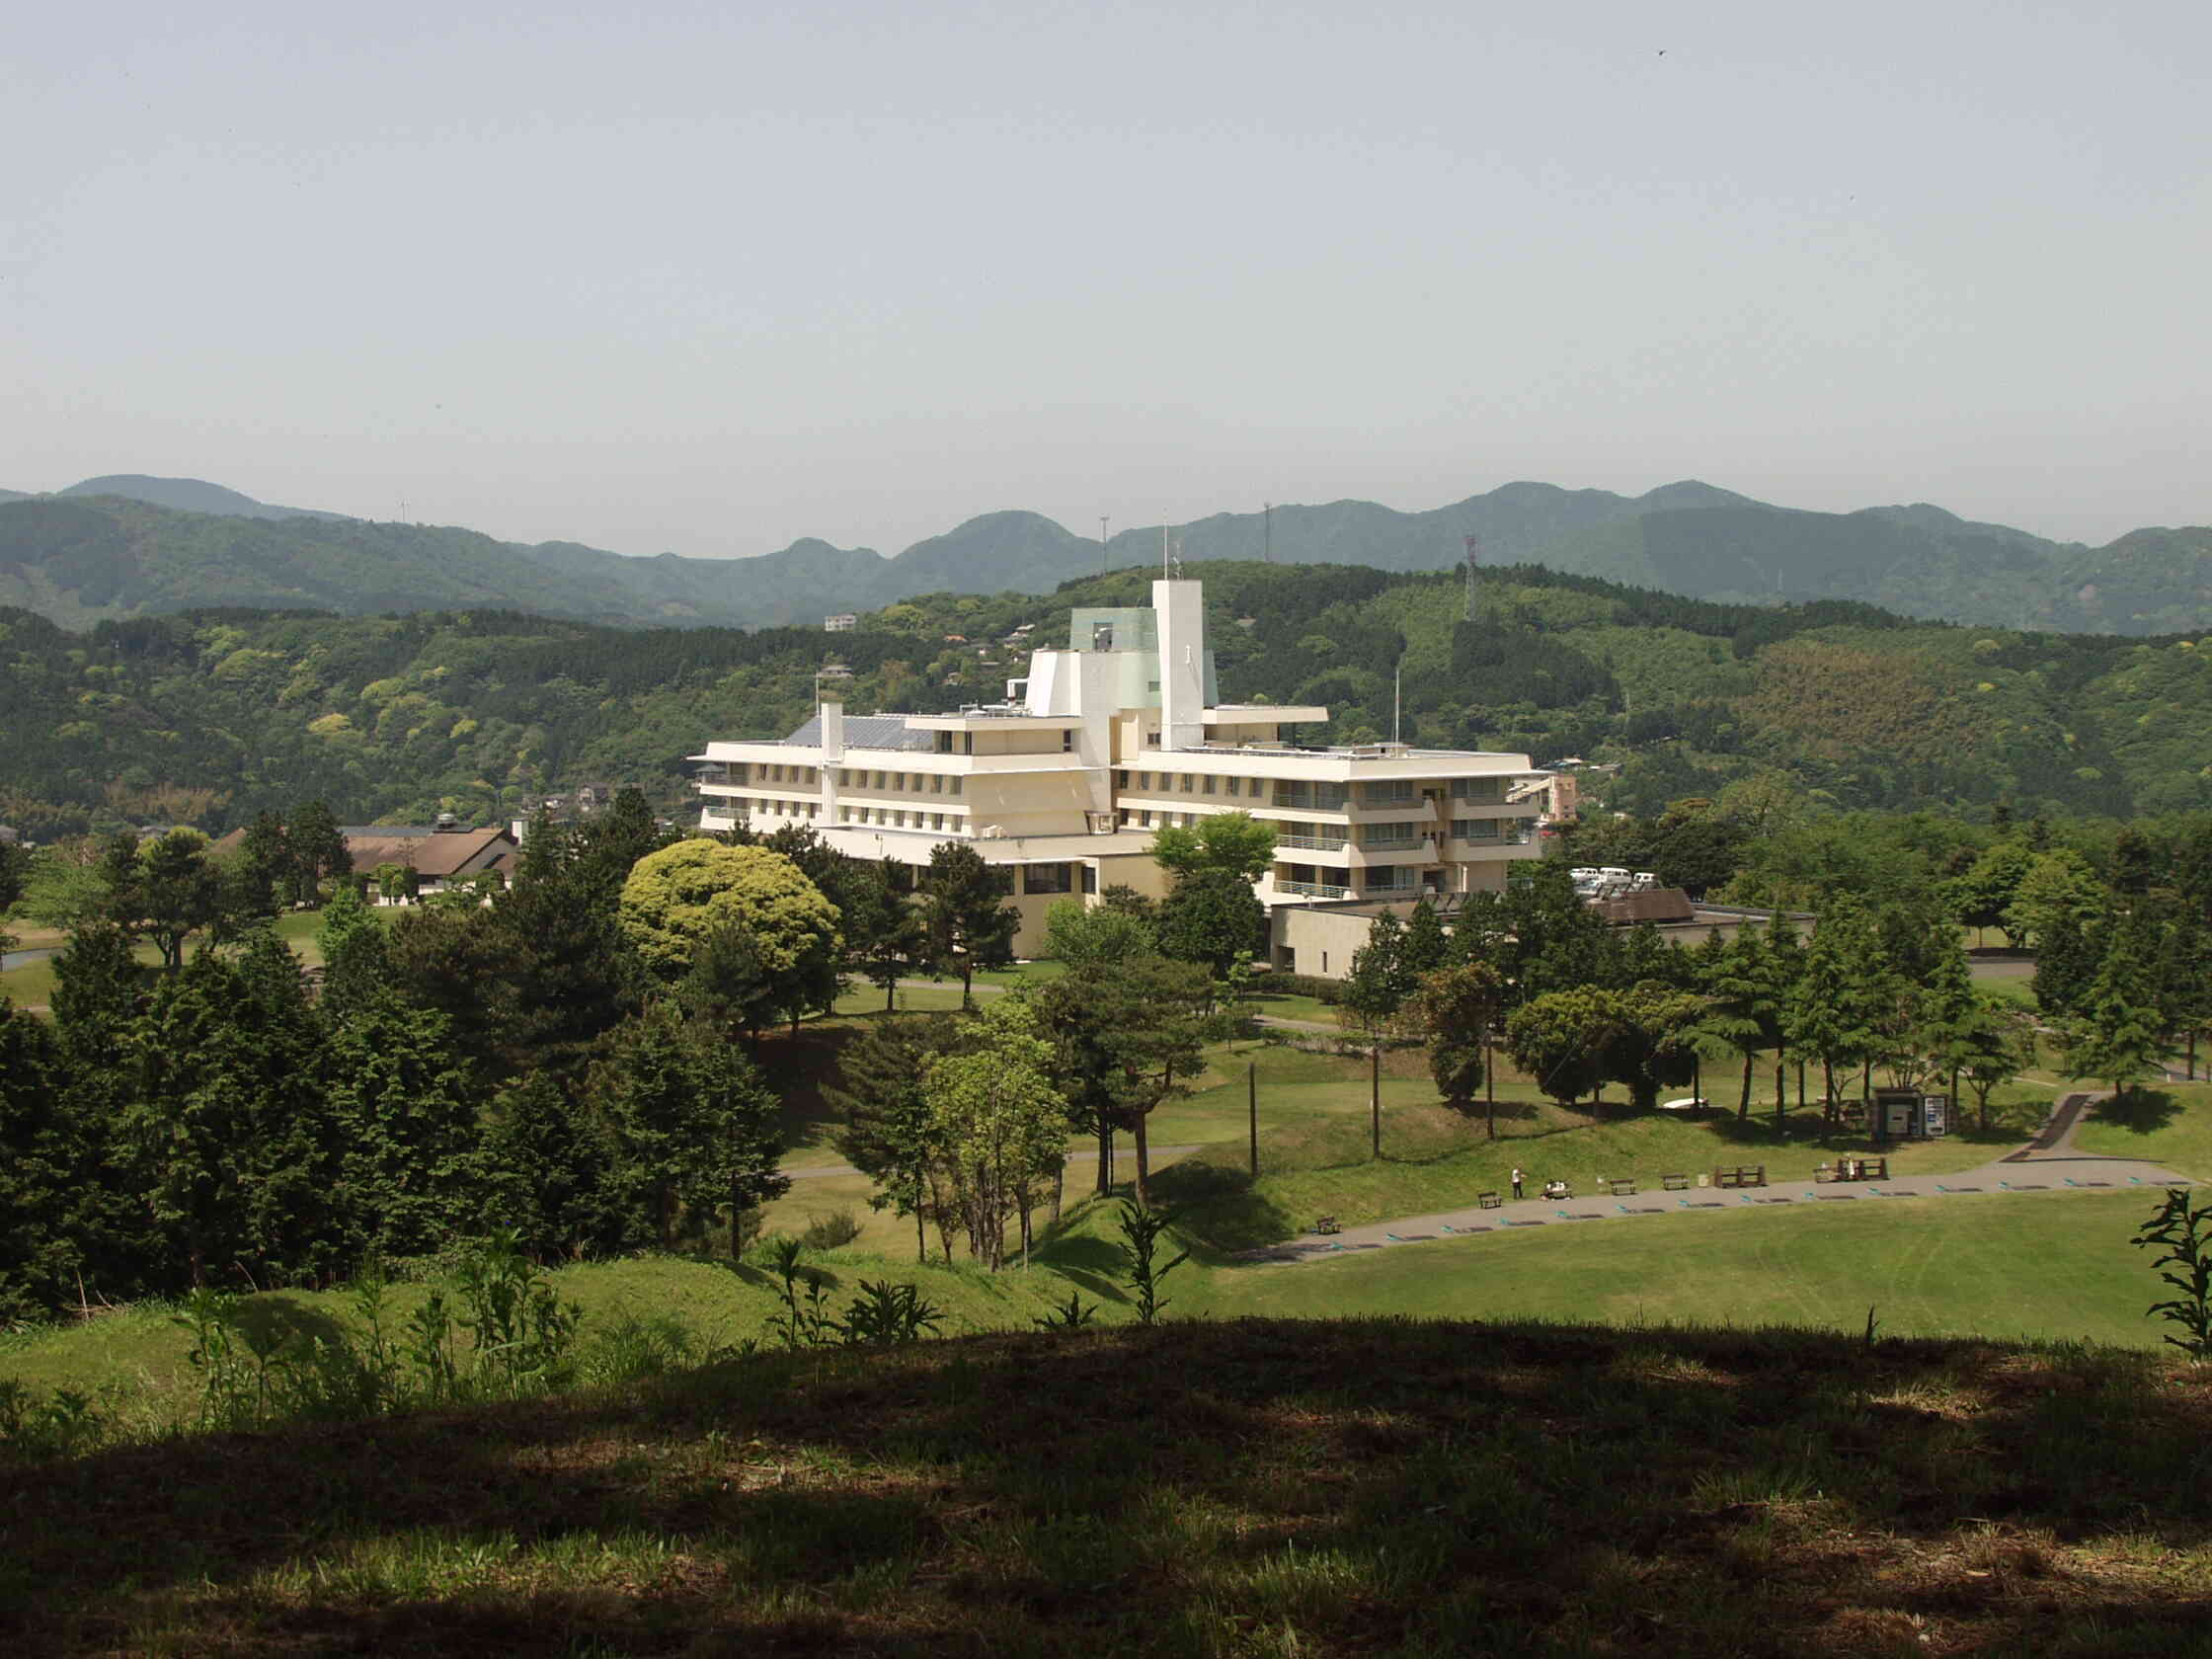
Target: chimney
1180	610
833	732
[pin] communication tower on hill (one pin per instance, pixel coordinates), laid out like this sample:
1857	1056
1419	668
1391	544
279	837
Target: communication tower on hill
1474	557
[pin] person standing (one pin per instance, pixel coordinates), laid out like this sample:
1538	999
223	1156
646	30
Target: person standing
1517	1179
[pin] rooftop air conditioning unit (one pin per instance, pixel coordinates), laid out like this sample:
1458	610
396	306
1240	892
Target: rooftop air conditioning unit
1102	823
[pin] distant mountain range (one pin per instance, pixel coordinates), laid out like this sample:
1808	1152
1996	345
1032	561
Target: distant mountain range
127	545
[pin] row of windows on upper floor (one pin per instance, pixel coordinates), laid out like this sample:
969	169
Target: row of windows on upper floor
848	777
1305	796
893	818
1378	838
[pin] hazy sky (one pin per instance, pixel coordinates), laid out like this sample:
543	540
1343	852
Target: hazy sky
711	277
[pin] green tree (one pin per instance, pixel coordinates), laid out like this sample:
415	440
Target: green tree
2119	1033
178	892
1980	898
970	925
1212	916
1843	995
1745	1011
235	1147
1374	991
409	1170
1559	1039
1427	946
318	849
1090	936
676	897
696	1126
553	1172
1127	1036
1235	842
1997	1044
885	1129
265	865
999	1120
46	1160
886	937
2055	888
1456	1008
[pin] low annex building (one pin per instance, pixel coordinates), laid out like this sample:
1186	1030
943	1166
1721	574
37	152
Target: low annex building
1113	739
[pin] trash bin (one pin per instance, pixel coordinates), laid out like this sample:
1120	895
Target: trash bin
1703	1180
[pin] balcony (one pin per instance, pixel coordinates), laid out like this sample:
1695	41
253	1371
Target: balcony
1312	889
1313	843
1390	844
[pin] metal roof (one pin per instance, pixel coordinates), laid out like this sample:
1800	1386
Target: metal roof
868	731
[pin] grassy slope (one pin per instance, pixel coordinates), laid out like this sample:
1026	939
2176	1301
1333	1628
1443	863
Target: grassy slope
2171	1125
2048	1266
1253	1489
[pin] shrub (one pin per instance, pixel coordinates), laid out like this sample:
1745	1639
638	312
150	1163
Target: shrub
827	1233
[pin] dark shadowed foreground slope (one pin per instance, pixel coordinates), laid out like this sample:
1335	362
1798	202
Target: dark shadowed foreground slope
1247	1488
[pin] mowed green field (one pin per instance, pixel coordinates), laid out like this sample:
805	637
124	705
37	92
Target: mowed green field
2004	1265
32	985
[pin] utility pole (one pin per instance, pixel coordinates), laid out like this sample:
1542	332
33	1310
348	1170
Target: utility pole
1252	1098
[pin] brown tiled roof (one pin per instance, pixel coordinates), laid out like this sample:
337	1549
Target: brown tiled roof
436	854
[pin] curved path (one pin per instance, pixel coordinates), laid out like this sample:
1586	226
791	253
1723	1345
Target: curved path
2048	1163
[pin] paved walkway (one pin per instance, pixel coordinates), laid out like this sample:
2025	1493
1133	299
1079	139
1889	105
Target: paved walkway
2048	1163
1123	1152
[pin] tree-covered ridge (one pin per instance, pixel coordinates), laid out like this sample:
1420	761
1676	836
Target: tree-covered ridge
128	545
209	717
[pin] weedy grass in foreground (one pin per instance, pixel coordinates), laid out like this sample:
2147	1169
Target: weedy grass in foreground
1248	1487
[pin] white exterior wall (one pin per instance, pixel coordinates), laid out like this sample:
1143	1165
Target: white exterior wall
1181	609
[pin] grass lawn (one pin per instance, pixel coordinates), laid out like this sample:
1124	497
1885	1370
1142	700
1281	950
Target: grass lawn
1254	1487
32	985
2004	1265
1320	1162
2170	1124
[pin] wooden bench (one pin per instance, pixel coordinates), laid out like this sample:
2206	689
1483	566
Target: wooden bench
1741	1175
1675	1183
1861	1170
1623	1188
1487	1201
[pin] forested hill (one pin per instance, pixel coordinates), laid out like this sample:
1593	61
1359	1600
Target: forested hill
208	717
127	545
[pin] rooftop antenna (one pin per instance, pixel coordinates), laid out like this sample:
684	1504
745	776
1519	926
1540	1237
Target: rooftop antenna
1163	553
1474	557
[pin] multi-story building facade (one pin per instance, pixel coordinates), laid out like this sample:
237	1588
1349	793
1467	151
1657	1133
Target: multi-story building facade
1120	735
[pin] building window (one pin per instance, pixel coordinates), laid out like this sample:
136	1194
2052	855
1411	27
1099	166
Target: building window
1205	784
880	780
1474	829
1151	738
1068	741
953	785
1386	794
1120	780
1145	781
1231	786
1479	789
1090	879
1047	878
1188	787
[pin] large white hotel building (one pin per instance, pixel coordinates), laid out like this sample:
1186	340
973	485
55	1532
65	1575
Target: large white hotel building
1119	736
